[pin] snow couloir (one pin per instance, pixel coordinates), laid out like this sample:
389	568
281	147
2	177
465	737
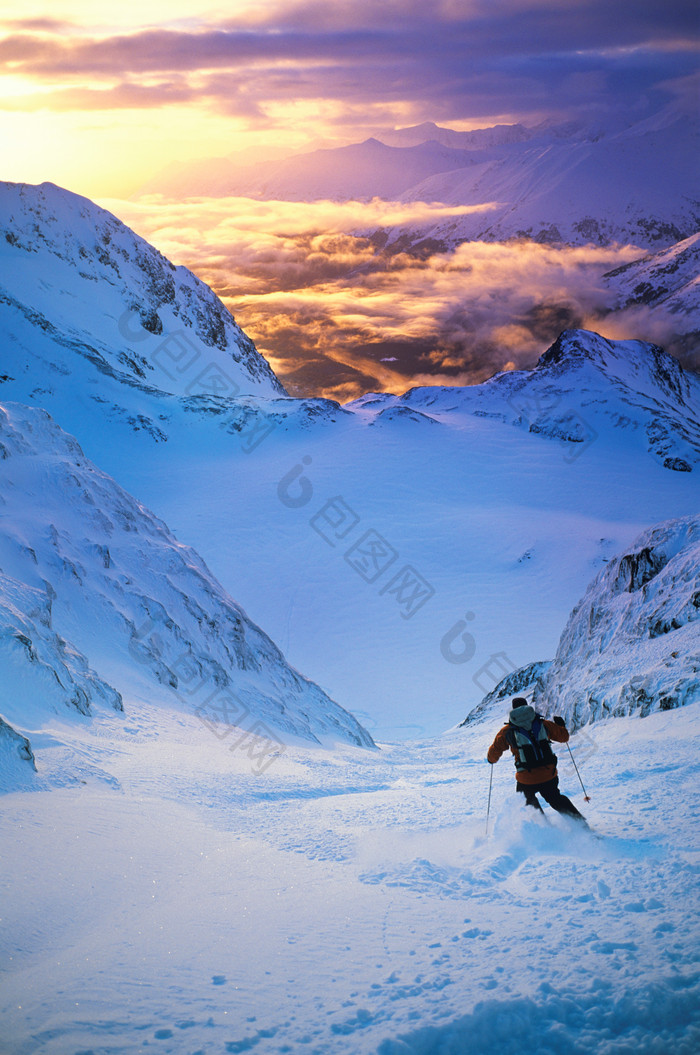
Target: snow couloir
100	603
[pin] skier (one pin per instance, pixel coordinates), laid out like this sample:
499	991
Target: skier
528	736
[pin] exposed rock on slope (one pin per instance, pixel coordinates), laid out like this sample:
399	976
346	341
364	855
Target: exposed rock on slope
38	664
521	682
16	757
583	385
632	644
78	284
662	291
669	278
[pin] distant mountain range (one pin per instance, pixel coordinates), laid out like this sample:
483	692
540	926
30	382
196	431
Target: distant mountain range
383	167
561	184
477	139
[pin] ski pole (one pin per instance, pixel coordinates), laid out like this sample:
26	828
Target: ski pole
586	798
488	808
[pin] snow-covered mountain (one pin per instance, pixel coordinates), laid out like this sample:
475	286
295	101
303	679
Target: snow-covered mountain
412	550
82	293
383	166
477	139
632	644
499	500
659	295
669	278
583	384
638	185
104	332
371	169
664	286
100	604
96	323
496	703
567	184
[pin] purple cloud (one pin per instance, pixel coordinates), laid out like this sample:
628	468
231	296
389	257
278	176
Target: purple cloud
513	57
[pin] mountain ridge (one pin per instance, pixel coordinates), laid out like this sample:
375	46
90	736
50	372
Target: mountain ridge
99	604
582	381
446	480
52	235
151	377
631	645
560	184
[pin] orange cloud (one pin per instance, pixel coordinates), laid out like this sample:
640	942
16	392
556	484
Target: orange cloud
338	316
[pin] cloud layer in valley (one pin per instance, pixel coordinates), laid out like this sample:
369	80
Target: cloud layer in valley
338	316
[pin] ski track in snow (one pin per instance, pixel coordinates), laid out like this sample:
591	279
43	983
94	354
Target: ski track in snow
164	899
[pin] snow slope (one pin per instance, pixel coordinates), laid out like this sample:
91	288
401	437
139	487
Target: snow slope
41	671
663	288
445	536
159	893
80	291
426	534
666	279
637	186
350	903
633	641
99	603
583	384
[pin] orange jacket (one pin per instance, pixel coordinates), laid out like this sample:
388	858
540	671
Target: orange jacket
529	776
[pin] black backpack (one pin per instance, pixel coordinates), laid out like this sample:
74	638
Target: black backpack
532	747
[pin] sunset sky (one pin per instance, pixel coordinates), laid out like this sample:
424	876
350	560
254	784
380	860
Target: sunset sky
100	98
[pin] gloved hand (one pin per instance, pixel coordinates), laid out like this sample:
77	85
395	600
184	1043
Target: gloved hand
558	720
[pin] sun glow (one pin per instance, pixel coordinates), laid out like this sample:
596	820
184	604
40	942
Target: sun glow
13	87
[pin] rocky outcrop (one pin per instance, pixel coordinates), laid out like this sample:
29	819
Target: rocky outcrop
632	644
